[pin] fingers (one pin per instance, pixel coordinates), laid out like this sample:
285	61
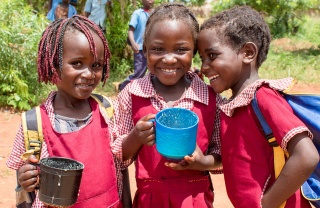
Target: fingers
148	117
182	165
145	130
32	159
28	177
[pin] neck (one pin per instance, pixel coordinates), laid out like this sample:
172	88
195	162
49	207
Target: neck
64	4
146	8
242	84
171	93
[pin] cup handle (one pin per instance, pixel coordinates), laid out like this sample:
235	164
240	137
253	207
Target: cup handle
153	120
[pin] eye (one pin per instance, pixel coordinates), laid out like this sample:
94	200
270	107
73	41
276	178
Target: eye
96	65
76	64
182	50
212	55
157	49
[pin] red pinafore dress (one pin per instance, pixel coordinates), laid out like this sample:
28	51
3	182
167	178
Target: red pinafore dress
91	146
160	186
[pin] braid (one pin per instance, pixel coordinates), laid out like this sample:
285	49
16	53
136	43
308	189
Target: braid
172	11
50	50
240	25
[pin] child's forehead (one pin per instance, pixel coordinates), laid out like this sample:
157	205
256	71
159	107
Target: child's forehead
171	27
214	33
72	32
166	23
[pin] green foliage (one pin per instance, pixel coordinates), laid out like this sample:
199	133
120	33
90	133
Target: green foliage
20	32
296	56
284	17
117	31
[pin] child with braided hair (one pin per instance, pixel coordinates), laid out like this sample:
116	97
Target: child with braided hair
232	45
169	46
73	54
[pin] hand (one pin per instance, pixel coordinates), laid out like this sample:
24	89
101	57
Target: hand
135	47
192	162
28	175
198	72
145	131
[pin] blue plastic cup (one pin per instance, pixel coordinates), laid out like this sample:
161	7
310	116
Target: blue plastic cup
176	132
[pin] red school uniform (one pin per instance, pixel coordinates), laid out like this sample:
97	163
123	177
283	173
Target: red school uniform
88	145
247	157
91	152
158	185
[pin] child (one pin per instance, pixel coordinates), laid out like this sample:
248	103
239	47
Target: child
74	55
232	45
169	45
136	31
96	11
62	9
51	3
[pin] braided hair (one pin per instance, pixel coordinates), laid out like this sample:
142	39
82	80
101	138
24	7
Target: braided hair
172	11
239	25
50	50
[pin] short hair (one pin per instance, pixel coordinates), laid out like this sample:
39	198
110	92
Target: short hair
172	11
239	25
50	50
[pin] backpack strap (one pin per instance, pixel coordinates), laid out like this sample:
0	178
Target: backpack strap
33	138
279	155
32	132
105	102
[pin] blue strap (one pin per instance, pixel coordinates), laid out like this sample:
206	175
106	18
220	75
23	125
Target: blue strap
266	129
268	134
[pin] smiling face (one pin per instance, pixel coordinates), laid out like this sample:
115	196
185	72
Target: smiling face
169	51
221	64
80	73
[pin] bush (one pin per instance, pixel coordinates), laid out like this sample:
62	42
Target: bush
284	17
20	32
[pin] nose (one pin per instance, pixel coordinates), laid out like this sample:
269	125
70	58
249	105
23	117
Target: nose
169	59
88	73
204	67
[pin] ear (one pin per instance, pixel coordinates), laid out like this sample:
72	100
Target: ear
250	52
144	49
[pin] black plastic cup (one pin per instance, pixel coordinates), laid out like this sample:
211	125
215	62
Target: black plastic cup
59	181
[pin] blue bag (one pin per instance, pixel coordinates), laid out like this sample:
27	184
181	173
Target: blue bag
307	108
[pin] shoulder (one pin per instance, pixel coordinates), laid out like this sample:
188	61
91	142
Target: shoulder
137	12
73	9
266	94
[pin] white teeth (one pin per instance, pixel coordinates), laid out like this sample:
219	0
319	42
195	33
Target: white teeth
212	78
169	70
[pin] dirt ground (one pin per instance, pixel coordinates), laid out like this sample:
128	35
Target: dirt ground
9	123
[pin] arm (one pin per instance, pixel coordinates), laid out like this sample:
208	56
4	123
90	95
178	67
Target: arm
126	194
87	8
129	137
142	133
301	163
86	14
197	161
58	12
134	45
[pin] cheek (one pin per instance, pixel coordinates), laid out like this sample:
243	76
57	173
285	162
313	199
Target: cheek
98	75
